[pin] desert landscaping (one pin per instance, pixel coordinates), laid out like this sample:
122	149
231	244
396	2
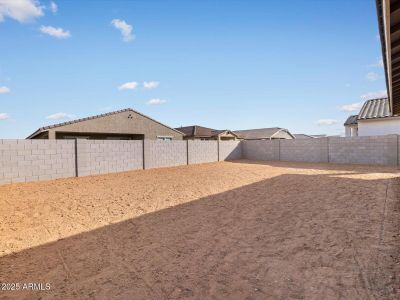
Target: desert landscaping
224	230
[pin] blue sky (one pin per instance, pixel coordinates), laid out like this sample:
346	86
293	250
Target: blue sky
301	65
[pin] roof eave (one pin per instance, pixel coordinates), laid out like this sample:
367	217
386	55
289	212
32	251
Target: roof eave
35	134
381	5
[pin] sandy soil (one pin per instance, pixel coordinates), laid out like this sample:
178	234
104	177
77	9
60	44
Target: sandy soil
242	230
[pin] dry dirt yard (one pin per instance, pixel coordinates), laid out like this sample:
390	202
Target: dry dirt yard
228	230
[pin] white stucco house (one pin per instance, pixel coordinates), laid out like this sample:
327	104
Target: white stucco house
373	119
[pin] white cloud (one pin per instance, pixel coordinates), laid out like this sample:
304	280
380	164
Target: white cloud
53	7
326	122
60	115
377	64
371	76
55	32
351	107
148	85
4	116
20	10
4	90
124	28
374	95
156	101
128	86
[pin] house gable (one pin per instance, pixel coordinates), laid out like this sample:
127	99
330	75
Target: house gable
124	122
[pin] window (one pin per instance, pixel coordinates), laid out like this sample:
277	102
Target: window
164	138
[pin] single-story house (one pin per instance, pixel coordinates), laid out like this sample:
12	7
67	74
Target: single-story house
196	132
126	124
374	118
264	134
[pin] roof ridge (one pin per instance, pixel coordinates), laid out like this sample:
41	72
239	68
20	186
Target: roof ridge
376	99
98	116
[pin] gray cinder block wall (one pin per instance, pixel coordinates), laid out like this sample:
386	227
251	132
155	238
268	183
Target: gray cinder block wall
230	150
164	153
31	160
202	151
307	150
377	150
260	149
104	156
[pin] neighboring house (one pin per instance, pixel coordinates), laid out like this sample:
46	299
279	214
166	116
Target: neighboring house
196	132
350	126
126	124
308	136
374	118
264	134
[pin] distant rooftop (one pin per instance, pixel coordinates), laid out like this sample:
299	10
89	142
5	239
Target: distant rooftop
199	131
260	133
352	120
308	136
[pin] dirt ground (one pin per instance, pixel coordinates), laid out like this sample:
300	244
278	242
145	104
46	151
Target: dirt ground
227	230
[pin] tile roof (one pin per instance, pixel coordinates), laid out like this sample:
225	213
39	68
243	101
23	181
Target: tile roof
375	108
352	120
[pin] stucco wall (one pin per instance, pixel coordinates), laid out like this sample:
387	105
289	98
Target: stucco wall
351	131
230	150
31	160
165	153
307	150
100	157
260	149
376	127
120	123
202	151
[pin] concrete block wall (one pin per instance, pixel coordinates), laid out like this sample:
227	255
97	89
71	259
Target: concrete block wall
202	151
164	153
108	156
260	149
307	150
31	160
230	150
375	150
378	150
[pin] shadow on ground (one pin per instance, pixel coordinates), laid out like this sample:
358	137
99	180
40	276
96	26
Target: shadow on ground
291	236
